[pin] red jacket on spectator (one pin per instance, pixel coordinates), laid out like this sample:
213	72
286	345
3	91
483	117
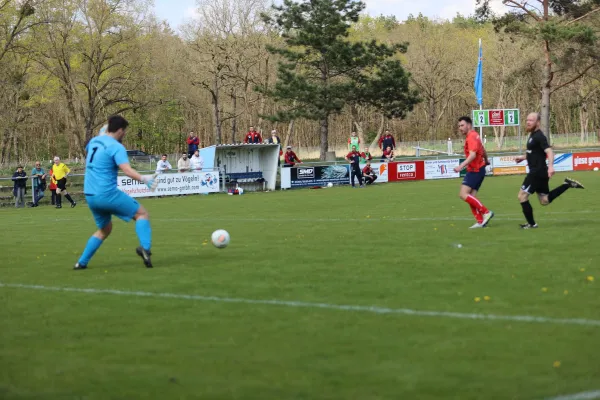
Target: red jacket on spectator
367	170
387	140
193	144
52	184
291	158
253	137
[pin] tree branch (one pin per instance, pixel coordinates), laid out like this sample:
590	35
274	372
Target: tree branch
576	78
522	7
583	16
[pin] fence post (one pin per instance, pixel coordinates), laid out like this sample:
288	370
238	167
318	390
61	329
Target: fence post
450	151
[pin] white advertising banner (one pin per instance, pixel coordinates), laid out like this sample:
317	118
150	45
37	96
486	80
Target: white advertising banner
562	162
380	169
441	169
172	184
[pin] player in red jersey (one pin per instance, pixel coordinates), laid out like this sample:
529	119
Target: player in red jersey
475	164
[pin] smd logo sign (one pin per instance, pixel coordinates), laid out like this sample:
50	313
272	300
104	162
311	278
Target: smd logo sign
306	173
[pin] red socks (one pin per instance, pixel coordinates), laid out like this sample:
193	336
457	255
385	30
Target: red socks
476	204
477	215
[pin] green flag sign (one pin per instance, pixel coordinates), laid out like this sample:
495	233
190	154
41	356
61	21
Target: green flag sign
501	117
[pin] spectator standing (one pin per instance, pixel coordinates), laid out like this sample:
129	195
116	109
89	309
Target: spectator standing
353	141
184	164
291	158
52	187
387	140
196	162
274	139
388	155
59	174
39	183
253	137
163	165
193	143
365	156
369	174
20	186
354	158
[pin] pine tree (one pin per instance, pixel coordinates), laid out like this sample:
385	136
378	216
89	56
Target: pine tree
568	32
322	71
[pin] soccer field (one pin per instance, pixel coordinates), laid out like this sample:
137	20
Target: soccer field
322	294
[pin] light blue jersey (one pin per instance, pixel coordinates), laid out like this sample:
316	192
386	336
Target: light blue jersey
104	155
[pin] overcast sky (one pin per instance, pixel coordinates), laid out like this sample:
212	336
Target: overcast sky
177	11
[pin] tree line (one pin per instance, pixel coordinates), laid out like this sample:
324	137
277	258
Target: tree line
313	70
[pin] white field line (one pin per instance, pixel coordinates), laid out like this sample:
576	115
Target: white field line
578	396
326	306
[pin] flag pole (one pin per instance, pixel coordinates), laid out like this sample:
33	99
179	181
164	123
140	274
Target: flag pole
480	104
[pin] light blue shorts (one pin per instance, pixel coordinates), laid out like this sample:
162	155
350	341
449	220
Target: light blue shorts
117	203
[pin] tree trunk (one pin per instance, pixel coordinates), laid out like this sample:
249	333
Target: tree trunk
546	91
216	112
375	142
288	135
357	124
234	119
324	137
432	118
263	100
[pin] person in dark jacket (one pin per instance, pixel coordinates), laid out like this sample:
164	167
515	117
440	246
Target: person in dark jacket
387	140
354	158
193	143
20	186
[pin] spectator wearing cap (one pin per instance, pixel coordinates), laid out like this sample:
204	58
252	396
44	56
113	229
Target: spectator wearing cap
387	140
59	175
291	158
368	174
193	143
196	162
184	164
20	186
274	139
253	137
39	183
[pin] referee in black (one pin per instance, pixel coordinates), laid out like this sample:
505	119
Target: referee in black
539	175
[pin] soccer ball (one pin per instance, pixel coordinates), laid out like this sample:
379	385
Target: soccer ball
330	184
103	131
596	169
220	238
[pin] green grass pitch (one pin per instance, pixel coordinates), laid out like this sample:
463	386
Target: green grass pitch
392	246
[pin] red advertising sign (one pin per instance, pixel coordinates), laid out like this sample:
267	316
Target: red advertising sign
586	161
496	117
406	171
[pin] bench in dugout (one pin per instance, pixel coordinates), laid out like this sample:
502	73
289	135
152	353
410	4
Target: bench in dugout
246	180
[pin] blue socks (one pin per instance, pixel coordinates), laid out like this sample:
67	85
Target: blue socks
144	233
90	249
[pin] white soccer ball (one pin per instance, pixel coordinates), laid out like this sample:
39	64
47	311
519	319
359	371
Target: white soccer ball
596	169
330	184
220	238
240	191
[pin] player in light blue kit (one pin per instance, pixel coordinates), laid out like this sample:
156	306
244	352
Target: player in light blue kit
105	156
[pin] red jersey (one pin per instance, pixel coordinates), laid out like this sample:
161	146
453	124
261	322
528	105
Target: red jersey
473	143
367	170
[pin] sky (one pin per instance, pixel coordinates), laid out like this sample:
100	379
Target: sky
178	11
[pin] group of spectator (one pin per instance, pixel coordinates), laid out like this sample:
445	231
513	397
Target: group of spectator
387	145
184	164
58	173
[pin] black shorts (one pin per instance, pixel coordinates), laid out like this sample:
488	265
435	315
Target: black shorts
62	184
536	183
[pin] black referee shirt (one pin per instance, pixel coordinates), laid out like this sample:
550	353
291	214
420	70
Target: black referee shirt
536	151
